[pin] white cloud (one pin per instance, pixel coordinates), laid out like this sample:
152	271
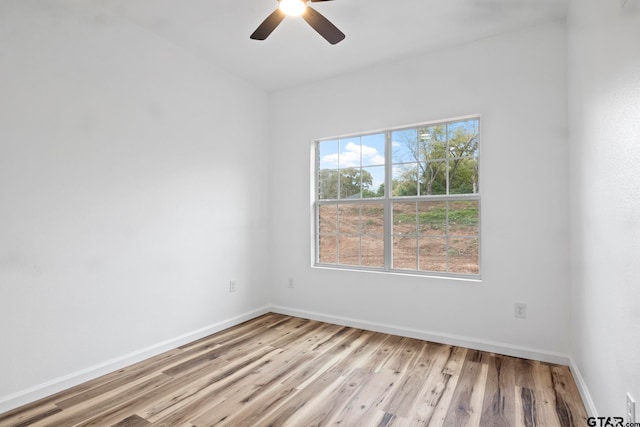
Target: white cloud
370	156
350	157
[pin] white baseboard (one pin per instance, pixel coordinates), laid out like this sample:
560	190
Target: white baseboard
582	388
473	343
56	385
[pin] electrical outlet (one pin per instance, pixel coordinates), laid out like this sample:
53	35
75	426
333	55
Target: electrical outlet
520	310
631	409
232	286
291	283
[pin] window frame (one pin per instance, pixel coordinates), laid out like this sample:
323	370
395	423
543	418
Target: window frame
388	201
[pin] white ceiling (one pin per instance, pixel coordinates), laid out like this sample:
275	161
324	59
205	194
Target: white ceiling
377	31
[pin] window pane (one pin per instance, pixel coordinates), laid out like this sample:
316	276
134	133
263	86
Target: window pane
404	218
405	254
328	184
463	138
403	145
463	176
433	254
328	154
349	251
463	255
405	180
350	153
433	143
432	218
327	249
373	182
373	251
327	218
349	219
373	150
433	178
350	183
373	219
464	218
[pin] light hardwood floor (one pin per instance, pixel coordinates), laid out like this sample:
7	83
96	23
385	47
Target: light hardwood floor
278	370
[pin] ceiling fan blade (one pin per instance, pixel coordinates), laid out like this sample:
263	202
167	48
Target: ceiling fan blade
268	25
323	26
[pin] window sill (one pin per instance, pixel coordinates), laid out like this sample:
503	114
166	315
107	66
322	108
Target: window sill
408	273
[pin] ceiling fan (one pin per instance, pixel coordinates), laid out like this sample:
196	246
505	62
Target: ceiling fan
299	8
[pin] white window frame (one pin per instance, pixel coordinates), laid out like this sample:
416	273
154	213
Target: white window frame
388	200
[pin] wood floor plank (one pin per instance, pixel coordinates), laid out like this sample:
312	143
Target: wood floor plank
132	421
265	392
402	400
177	393
331	354
498	408
386	420
183	390
159	399
545	395
246	388
400	359
356	354
364	408
330	401
198	403
527	413
259	324
99	404
261	405
29	416
230	348
435	383
448	385
296	401
524	373
566	389
316	339
149	365
103	389
279	370
218	414
466	404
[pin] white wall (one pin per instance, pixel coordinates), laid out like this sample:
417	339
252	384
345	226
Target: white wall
132	189
517	82
604	101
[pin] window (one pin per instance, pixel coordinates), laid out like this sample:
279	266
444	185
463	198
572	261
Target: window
404	200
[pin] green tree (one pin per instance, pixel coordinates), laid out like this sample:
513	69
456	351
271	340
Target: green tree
352	182
463	163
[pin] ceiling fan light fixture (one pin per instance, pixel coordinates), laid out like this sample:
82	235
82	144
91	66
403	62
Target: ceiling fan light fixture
318	22
293	7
